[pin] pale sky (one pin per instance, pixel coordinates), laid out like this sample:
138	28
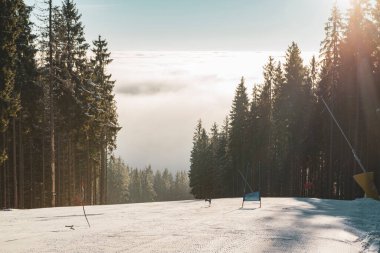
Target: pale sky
176	61
259	25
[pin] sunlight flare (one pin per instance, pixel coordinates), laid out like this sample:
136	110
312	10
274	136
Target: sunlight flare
343	4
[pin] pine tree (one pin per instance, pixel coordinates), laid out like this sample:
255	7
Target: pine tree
281	134
148	193
30	92
238	146
195	161
223	159
262	123
357	100
118	182
294	73
9	98
330	55
105	108
181	186
214	176
135	186
167	185
307	131
158	186
200	164
50	136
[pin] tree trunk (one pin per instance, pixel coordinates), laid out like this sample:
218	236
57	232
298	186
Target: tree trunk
31	172
15	185
105	175
4	175
69	182
59	168
21	165
101	179
52	128
43	170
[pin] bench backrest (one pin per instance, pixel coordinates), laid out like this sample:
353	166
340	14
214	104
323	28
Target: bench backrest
252	196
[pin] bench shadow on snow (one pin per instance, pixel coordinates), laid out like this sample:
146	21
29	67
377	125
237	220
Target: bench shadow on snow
248	208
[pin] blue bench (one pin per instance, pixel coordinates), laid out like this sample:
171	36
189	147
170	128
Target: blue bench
252	196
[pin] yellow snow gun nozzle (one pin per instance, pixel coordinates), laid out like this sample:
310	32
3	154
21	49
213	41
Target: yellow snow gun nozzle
366	182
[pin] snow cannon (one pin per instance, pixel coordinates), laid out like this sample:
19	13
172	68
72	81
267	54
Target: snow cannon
366	181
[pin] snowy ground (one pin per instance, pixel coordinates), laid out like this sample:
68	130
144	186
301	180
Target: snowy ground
281	225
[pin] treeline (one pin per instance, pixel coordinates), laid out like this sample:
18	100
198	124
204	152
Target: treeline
58	121
283	140
127	185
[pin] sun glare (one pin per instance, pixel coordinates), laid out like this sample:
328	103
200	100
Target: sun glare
343	4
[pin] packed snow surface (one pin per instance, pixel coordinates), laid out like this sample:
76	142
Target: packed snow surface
281	225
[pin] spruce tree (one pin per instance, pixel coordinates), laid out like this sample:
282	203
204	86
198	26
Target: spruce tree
181	187
158	186
357	100
148	193
135	186
29	118
294	73
280	131
330	55
195	162
238	146
200	164
9	98
215	174
262	117
223	159
167	186
118	182
104	109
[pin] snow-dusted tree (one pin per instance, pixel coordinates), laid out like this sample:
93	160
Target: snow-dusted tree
135	186
148	193
118	182
158	185
181	189
167	180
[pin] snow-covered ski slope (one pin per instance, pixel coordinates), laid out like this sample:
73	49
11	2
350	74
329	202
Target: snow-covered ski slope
281	225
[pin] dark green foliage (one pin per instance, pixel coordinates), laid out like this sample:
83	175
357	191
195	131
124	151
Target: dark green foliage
238	145
19	98
58	117
10	33
290	143
201	164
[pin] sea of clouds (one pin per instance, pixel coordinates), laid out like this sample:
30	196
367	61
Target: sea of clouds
162	94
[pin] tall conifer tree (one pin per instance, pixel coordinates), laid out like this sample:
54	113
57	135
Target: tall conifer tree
238	146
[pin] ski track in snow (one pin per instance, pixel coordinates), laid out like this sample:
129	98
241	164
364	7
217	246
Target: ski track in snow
281	225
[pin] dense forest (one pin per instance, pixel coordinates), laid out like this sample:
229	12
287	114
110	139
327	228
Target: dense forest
283	140
127	185
58	121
